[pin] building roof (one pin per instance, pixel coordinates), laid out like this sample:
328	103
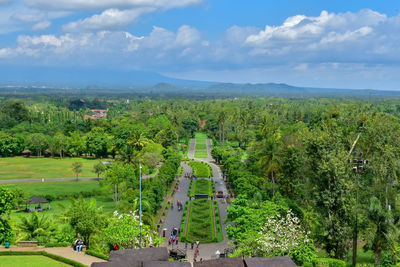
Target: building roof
166	264
144	254
26	151
37	200
227	262
270	262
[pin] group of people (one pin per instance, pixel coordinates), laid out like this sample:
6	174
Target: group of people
174	238
78	244
179	205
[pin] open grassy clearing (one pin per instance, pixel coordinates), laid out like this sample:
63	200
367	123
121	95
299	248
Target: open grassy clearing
31	261
31	168
200	187
201	147
200	169
57	208
201	154
201	222
199	135
56	188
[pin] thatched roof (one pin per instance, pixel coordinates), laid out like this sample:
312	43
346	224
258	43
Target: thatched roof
37	200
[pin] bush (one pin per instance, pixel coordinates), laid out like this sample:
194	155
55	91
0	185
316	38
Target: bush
57	244
97	254
327	262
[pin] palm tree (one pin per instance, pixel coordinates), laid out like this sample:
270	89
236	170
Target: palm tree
37	227
383	234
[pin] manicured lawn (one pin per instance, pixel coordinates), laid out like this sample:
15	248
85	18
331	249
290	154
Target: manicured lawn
57	208
201	141
200	154
200	135
56	188
31	261
202	187
201	226
31	168
200	169
201	147
201	222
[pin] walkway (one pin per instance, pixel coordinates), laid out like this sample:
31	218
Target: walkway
206	251
65	252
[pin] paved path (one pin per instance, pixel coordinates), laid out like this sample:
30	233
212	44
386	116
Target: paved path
65	252
206	251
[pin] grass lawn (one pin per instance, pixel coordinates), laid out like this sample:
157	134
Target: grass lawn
201	226
56	208
202	187
200	169
31	168
201	141
199	135
201	147
200	154
56	188
31	261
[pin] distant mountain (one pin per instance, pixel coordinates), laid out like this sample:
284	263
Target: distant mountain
85	77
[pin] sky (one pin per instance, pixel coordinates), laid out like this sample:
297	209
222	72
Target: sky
316	43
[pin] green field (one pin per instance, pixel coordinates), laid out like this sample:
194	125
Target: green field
57	208
201	141
56	188
200	187
200	169
200	135
201	147
200	154
201	222
31	261
31	168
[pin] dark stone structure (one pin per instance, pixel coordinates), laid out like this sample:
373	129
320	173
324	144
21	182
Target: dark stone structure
159	257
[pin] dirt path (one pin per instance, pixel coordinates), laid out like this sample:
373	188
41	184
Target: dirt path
65	252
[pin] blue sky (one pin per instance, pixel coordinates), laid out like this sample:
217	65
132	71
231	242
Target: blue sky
346	44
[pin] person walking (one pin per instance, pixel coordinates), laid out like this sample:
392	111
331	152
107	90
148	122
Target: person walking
192	245
197	243
176	240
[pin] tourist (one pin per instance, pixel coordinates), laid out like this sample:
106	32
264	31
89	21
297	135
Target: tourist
176	240
78	244
197	243
191	245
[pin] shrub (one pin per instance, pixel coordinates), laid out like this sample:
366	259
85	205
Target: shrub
327	262
57	244
97	254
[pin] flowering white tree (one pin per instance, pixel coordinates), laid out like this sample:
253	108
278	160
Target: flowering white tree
124	230
280	235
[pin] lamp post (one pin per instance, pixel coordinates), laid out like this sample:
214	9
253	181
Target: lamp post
140	202
358	167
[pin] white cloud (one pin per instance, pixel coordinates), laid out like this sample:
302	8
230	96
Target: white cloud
78	5
108	19
42	25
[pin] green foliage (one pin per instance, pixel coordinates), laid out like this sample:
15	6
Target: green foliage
124	230
9	145
97	254
6	203
77	168
85	218
322	262
58	244
37	227
99	168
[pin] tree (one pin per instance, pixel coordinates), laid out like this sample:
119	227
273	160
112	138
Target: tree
382	233
36	227
99	168
6	204
77	168
9	145
85	218
97	142
76	143
124	230
119	178
37	142
190	125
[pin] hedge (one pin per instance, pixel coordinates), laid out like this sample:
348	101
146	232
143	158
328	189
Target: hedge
97	254
58	244
328	262
42	253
